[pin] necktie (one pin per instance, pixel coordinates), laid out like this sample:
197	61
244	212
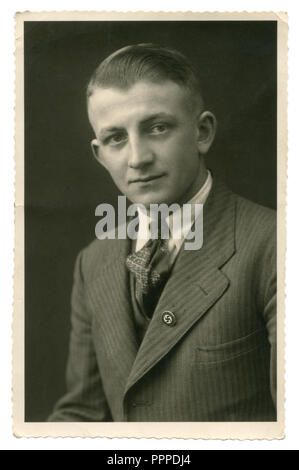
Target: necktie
150	267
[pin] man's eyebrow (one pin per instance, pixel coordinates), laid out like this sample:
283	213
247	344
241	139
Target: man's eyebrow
156	116
108	130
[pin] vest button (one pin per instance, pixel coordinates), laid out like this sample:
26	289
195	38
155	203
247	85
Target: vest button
168	318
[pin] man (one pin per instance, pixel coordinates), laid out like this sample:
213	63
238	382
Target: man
161	333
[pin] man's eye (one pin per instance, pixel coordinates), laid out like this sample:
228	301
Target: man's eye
116	139
159	129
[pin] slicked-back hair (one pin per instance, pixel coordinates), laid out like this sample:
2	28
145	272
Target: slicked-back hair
145	62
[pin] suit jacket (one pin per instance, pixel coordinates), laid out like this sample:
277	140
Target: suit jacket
216	363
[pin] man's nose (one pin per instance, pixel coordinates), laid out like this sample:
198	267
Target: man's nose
139	152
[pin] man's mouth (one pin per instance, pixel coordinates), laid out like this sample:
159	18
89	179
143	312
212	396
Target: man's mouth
146	179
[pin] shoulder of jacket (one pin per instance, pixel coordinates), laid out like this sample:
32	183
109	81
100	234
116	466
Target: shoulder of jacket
100	253
255	222
255	213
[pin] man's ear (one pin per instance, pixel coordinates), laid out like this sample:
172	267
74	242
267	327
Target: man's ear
96	151
206	126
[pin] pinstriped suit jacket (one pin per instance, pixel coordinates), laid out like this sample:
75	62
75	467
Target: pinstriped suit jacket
217	363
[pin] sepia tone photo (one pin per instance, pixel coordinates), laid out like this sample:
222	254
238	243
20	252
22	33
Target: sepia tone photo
149	261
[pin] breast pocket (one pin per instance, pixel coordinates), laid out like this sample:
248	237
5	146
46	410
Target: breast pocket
214	354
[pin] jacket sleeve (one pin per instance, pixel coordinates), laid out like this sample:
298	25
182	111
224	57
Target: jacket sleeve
270	307
85	398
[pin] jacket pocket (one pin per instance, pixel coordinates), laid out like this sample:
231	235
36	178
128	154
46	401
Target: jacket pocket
214	354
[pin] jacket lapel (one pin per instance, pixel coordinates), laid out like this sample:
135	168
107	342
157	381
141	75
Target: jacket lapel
109	296
195	284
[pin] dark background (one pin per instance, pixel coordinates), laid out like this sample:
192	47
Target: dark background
64	184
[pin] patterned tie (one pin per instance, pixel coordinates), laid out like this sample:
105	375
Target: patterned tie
150	267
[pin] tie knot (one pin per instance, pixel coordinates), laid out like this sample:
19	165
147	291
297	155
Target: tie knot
150	264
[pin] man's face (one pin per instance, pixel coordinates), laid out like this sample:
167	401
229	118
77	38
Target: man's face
147	138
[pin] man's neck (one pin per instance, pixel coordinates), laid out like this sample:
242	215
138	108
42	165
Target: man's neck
196	186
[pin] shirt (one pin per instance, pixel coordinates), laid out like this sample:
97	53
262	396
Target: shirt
177	234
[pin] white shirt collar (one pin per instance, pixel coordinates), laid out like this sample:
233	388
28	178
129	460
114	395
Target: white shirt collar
176	236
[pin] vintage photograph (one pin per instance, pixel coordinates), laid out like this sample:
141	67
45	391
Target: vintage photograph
150	211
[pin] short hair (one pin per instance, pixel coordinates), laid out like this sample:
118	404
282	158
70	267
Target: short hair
145	62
